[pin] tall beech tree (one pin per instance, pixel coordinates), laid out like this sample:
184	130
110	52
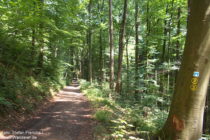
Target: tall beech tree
136	44
111	80
185	119
121	47
101	52
89	36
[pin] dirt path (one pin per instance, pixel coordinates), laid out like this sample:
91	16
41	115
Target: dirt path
68	118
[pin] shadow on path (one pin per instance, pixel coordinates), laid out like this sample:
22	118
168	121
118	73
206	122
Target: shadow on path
68	118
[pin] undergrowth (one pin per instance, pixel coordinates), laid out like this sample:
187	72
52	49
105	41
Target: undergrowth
121	119
23	85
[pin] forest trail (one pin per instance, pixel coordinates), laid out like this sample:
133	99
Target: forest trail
68	118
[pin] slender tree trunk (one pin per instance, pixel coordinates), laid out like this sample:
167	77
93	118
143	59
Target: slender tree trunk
169	48
33	34
101	57
178	40
121	48
178	32
33	38
146	49
41	39
101	47
72	74
128	65
83	58
111	80
90	44
33	48
185	120
80	66
163	57
137	47
77	67
165	36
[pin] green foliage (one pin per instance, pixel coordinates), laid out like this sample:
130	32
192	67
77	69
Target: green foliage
122	119
32	64
206	136
84	84
44	45
4	102
103	116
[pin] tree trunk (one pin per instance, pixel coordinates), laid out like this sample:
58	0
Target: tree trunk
71	57
121	48
128	66
33	37
111	46
41	39
148	27
178	40
101	57
164	35
178	32
169	47
185	119
101	47
163	57
137	47
33	34
90	44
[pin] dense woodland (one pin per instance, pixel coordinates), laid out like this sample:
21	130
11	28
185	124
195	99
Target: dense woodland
134	59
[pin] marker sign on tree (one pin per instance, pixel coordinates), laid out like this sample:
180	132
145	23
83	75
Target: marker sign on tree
194	81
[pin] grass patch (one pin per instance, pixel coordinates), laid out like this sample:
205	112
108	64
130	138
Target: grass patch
103	116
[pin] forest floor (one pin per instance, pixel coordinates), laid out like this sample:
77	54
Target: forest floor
68	117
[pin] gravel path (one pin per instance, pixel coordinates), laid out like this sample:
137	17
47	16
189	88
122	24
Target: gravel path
68	118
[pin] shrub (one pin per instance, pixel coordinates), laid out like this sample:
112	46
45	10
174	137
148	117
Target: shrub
103	116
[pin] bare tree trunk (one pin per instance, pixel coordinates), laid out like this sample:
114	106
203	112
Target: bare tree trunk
101	56
169	47
121	48
41	39
33	39
178	32
137	47
71	56
128	65
185	120
101	47
164	35
146	48
90	44
111	80
178	40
